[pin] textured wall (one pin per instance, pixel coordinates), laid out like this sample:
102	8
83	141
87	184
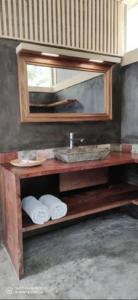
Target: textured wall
89	93
130	103
129	124
14	135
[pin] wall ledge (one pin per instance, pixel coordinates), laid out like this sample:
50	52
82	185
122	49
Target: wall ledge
33	48
130	57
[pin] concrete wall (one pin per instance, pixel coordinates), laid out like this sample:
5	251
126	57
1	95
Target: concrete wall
14	135
129	124
90	94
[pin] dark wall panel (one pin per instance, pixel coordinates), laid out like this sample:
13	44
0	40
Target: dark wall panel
15	135
130	103
90	95
129	124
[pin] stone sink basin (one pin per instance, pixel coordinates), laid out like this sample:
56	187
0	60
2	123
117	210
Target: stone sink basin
82	153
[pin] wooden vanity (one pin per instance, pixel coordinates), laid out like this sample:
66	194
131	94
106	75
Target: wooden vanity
84	186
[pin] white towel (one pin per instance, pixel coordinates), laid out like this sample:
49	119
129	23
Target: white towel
57	208
38	212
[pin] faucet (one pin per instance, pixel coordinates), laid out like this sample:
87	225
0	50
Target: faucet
72	140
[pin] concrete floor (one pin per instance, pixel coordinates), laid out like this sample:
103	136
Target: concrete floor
94	259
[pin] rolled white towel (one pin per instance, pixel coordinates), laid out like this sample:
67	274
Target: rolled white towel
57	208
38	212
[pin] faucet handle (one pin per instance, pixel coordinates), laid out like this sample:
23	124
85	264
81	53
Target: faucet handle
71	140
81	140
71	135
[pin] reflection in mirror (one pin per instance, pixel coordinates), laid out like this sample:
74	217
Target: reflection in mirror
60	90
63	89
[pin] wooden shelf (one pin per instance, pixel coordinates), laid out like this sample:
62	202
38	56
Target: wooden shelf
80	203
54	104
88	202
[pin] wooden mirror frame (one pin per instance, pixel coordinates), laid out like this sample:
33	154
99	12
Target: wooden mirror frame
64	62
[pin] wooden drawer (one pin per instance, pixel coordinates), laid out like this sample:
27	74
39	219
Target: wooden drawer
81	179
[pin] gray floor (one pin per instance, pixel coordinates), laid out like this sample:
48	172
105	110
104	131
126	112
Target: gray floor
95	259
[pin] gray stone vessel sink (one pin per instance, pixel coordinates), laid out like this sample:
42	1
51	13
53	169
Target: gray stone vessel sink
84	153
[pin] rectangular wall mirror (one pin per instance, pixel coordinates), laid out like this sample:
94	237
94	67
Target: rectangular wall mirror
60	89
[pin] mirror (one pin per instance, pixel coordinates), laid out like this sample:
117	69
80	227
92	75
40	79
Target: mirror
61	89
58	90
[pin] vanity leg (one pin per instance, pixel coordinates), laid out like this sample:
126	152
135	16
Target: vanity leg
12	220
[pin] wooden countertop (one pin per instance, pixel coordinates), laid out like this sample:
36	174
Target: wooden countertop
56	167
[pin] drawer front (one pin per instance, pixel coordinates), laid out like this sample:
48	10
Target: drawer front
82	179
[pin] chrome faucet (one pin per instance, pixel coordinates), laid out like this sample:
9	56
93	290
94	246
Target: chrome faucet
72	140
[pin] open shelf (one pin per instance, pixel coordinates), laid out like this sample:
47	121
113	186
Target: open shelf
90	201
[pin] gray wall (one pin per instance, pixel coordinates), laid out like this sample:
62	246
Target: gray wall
129	125
14	135
90	94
